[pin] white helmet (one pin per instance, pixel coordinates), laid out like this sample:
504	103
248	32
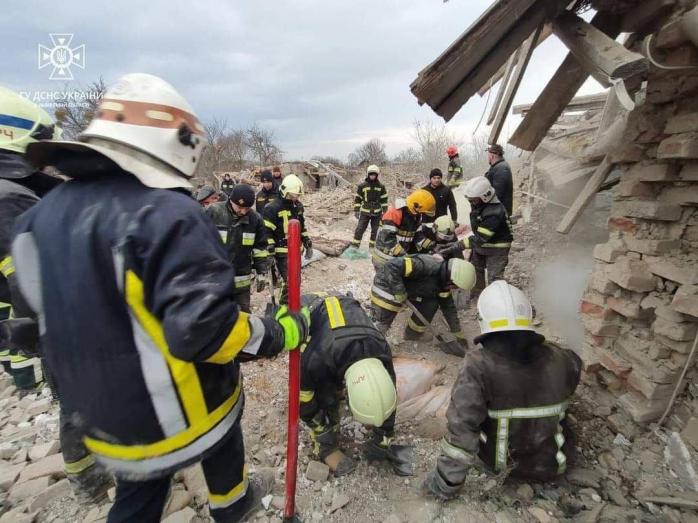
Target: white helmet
143	125
503	307
373	169
291	184
23	122
479	187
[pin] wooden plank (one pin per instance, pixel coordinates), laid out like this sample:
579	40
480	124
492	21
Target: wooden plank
598	52
578	103
547	31
513	86
585	197
502	88
559	92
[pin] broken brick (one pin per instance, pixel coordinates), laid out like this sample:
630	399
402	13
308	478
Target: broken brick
652	247
611	360
623	224
599	326
684	145
674	331
648	210
640	408
653	172
624	307
631	274
671	269
686	300
648	388
609	251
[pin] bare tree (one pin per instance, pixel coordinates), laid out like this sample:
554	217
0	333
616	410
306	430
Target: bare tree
261	143
75	113
433	139
372	152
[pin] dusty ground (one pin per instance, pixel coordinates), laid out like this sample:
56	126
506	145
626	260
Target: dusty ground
618	464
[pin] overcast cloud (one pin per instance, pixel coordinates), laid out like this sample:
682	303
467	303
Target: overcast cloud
325	76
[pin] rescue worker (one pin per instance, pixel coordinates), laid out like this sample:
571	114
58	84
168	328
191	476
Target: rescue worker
135	291
442	233
508	405
346	351
276	174
399	232
499	176
206	196
426	281
370	202
443	195
268	192
245	238
490	236
23	123
276	217
227	184
455	171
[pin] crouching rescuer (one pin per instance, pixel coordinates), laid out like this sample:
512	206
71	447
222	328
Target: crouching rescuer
140	325
427	282
346	351
508	404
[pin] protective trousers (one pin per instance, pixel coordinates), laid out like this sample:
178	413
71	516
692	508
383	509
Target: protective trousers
226	476
428	307
493	259
282	267
364	220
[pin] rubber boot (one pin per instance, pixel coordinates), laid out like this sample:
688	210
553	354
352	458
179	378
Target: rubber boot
340	464
260	485
437	486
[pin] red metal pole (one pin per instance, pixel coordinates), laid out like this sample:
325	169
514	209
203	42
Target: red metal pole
294	370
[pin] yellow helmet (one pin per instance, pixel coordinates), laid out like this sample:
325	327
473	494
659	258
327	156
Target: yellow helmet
291	184
371	393
443	227
23	122
421	201
462	273
373	169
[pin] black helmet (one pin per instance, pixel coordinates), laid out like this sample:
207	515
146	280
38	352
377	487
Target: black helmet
266	176
242	195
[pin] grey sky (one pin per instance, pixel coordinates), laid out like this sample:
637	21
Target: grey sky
325	76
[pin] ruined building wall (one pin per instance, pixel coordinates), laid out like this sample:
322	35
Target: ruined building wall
640	310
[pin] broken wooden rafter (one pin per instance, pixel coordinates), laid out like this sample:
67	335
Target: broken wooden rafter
598	52
502	88
513	86
578	103
559	92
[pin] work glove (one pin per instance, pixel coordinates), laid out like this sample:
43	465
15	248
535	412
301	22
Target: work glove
262	281
450	249
296	326
308	244
400	457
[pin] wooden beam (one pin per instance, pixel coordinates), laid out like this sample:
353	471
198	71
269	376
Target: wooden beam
513	86
596	51
578	103
502	88
585	197
559	92
545	33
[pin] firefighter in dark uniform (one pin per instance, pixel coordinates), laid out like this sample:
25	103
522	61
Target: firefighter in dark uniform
276	217
443	195
508	405
227	185
455	171
491	234
245	237
135	291
267	193
346	351
427	282
370	202
499	176
277	178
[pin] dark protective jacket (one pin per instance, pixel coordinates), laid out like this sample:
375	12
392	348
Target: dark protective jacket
491	228
399	234
264	197
245	239
136	294
445	202
227	186
500	177
341	333
371	198
276	217
420	276
507	406
455	172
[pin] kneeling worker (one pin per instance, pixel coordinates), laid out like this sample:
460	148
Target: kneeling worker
346	350
427	282
508	404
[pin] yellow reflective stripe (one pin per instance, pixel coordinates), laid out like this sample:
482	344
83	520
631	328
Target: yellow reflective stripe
236	340
408	266
183	373
281	250
519	322
285	215
502	448
444	294
76	467
307	396
231	496
18	358
7	267
259	253
486	232
334	313
560	455
270	225
384	304
415	326
546	411
496	324
247	242
497	245
137	452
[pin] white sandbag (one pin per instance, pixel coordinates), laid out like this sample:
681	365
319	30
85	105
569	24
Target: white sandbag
414	377
433	403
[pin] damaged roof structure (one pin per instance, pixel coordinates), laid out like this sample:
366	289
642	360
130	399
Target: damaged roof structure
640	307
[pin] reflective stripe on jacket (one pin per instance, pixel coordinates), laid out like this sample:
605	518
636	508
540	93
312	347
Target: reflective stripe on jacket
371	198
276	216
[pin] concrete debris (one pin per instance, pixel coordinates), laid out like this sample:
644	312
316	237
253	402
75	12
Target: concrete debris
187	515
317	471
682	461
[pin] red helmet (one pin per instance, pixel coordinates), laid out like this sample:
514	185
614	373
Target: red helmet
452	151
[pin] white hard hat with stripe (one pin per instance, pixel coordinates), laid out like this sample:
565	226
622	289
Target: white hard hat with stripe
503	307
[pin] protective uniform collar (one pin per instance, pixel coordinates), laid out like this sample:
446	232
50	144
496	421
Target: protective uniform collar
14	166
513	345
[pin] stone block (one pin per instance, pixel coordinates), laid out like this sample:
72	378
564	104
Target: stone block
682	123
680	146
647	210
654	172
686	300
317	471
613	361
51	466
689	172
690	432
641	409
9	474
652	247
682	461
673	269
27	489
59	489
39	452
631	274
17	515
625	307
609	251
650	389
600	326
682	347
637	353
599	281
39	407
667	313
630	153
675	331
633	188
